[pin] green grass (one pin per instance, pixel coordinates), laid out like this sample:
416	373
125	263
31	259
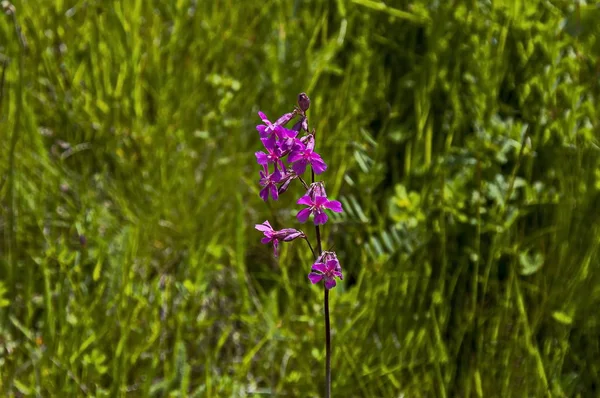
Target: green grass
461	138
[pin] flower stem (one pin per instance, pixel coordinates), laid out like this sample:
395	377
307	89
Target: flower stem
311	248
326	305
327	346
303	182
327	322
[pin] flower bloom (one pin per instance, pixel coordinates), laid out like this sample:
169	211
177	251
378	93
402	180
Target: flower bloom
269	181
273	154
327	268
275	130
317	206
303	155
271	235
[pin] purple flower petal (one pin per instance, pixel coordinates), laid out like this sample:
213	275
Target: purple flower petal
299	145
266	226
317	163
303	215
290	133
269	143
333	205
262	130
275	247
264	193
331	265
263	117
300	166
274	193
266	240
319	267
294	156
320	218
276	176
330	283
320	200
305	200
287	145
282	132
262	158
310	142
314	277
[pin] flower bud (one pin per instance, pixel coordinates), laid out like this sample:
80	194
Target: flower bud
289	234
300	124
286	180
305	124
303	102
283	120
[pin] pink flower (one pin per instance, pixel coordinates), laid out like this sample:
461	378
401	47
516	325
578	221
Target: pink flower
303	155
275	130
317	207
271	235
327	268
269	181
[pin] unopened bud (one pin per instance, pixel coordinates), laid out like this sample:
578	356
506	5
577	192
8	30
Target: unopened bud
286	180
299	125
283	120
303	102
289	234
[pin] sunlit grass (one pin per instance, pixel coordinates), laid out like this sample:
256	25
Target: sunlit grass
461	139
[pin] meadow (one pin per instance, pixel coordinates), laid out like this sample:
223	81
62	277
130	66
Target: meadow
462	138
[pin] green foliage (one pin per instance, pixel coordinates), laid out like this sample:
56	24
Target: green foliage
462	140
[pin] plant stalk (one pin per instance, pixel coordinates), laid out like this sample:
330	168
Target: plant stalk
327	321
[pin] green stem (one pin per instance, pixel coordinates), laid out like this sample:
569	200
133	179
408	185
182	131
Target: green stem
311	248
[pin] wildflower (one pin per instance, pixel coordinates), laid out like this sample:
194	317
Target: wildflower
273	155
289	144
303	155
275	130
327	267
271	235
268	181
317	206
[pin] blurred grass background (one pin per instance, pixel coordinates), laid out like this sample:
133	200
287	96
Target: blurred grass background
462	139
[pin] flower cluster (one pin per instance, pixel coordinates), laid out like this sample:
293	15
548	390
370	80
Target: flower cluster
287	155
